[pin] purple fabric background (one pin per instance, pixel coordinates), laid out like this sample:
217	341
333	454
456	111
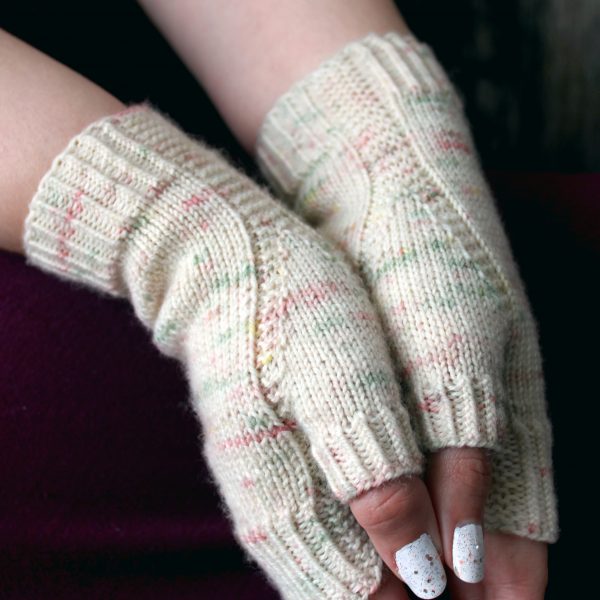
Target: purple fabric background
103	490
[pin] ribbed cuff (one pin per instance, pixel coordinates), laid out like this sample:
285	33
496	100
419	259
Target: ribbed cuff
463	410
304	125
93	197
370	450
522	499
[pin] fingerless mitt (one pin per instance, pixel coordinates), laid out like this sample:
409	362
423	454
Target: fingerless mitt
288	368
373	148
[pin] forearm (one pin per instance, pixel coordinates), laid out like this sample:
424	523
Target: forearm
42	105
246	54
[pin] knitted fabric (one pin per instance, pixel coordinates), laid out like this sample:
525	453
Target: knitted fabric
373	148
287	364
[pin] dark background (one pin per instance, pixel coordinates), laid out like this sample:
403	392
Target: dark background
530	81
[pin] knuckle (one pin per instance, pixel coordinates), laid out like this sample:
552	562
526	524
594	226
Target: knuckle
380	508
471	469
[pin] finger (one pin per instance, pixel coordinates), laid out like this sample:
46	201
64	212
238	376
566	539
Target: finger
391	588
458	480
399	519
517	568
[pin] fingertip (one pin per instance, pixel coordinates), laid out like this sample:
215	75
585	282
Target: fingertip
420	565
468	552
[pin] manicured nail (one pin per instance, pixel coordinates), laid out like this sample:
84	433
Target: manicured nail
420	566
468	552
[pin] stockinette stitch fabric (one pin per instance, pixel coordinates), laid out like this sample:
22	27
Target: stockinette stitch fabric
373	148
288	369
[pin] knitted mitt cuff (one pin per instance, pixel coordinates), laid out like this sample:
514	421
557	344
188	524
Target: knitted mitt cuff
462	410
78	233
371	449
295	135
522	499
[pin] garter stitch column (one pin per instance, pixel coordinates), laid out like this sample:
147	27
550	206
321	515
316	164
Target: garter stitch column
374	149
288	369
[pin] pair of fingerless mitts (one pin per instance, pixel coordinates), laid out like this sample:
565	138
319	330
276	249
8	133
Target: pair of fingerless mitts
303	406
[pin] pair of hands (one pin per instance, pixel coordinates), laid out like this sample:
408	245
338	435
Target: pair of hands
305	429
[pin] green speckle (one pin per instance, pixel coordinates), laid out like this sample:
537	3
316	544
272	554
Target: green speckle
201	258
328	324
438	245
225	335
417	214
228	280
258	422
393	263
219	384
463	263
166	330
54	199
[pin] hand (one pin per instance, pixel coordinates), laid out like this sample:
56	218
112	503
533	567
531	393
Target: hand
374	150
289	372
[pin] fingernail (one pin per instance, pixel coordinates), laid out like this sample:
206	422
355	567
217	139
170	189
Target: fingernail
420	566
468	552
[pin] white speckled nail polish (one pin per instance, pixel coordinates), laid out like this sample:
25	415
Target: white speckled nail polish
468	552
420	566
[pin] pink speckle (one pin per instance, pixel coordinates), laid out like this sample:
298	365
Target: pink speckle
67	231
255	438
255	537
196	200
364	316
363	140
455	339
453	140
156	191
430	404
211	314
532	528
400	308
309	296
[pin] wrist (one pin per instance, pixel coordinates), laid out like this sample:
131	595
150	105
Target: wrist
277	42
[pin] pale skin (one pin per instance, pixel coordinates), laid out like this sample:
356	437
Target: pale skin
44	104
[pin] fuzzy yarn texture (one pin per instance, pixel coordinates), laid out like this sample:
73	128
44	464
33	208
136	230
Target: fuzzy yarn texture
373	148
289	372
